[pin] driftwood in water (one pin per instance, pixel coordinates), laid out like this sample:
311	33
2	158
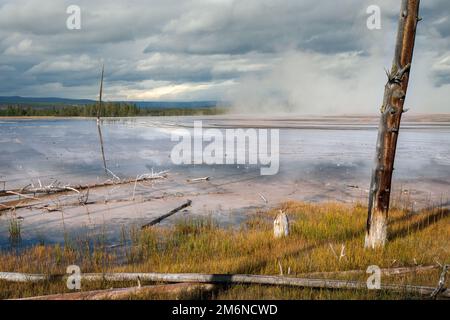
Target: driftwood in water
28	203
281	225
172	212
58	189
16	204
230	279
263	198
198	179
125	293
391	114
50	189
14	193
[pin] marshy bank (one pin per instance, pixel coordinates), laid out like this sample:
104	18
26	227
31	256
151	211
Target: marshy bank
324	240
58	208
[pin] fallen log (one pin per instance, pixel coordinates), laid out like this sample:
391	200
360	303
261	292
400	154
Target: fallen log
158	220
26	277
21	204
125	293
384	272
76	188
198	179
230	279
14	193
15	204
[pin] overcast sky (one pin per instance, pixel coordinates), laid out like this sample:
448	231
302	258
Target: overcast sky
302	55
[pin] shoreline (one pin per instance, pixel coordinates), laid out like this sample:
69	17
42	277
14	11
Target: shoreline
363	118
315	166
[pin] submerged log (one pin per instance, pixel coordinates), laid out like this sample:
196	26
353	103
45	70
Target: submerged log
172	212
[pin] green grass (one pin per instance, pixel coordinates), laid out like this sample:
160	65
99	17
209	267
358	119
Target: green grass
15	235
202	246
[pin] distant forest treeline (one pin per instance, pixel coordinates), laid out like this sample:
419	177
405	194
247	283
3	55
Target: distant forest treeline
109	109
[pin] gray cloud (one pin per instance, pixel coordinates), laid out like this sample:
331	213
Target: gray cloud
239	27
301	55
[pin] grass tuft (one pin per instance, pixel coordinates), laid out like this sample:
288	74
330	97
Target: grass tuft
15	233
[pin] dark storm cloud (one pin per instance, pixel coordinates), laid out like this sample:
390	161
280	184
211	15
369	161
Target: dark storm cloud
202	47
240	27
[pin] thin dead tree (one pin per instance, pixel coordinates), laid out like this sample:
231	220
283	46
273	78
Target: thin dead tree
391	113
99	108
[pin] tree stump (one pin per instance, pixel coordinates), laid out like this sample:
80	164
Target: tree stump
281	225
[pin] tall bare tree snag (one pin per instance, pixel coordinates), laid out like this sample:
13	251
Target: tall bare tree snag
391	113
98	120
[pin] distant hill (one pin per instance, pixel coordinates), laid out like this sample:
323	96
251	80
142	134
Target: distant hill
52	101
41	101
175	104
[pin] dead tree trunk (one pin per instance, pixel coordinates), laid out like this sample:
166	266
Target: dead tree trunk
98	121
391	113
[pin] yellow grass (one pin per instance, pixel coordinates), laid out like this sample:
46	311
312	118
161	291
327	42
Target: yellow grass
318	234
